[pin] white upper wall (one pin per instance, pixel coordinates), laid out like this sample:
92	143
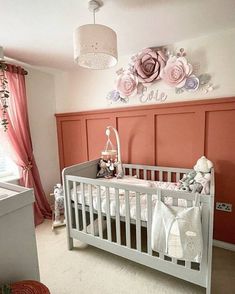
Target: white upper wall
84	89
41	108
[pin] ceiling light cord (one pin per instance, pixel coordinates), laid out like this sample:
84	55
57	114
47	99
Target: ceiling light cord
94	16
93	6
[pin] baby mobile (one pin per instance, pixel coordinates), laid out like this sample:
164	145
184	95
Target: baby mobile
149	66
110	163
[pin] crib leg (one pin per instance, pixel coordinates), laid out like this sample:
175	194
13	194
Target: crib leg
70	243
208	290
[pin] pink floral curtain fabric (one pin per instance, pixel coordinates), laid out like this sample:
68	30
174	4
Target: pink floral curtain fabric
19	141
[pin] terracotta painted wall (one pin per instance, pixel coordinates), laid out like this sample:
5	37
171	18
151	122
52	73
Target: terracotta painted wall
175	134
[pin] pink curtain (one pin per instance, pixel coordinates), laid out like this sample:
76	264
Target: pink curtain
19	141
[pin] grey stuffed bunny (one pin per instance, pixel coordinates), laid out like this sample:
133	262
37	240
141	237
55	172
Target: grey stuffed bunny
187	180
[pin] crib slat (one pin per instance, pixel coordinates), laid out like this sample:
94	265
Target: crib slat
149	223
138	173
91	210
175	201
118	234
99	213
127	209
145	174
169	176
206	234
161	255
138	222
69	203
76	205
152	175
160	175
108	214
188	264
177	177
189	203
83	208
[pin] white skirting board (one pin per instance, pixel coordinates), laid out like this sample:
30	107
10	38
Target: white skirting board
224	245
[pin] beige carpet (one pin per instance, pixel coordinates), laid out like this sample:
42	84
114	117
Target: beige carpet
92	271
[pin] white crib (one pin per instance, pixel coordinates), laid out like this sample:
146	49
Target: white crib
131	237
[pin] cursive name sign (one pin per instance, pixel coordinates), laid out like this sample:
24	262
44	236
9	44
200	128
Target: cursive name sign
152	96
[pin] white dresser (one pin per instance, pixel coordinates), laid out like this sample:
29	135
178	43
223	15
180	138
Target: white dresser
18	251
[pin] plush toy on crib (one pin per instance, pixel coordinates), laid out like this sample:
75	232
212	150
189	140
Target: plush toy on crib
59	205
119	169
201	183
203	165
105	169
198	180
203	176
187	180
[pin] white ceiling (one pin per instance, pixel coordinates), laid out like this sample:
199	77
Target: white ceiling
40	32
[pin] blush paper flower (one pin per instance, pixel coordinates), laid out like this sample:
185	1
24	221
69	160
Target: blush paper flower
191	83
127	84
176	71
148	65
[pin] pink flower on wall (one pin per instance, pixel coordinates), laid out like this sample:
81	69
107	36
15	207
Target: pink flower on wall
148	65
127	84
176	71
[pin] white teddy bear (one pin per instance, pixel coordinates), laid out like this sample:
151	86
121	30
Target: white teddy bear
203	165
199	179
203	176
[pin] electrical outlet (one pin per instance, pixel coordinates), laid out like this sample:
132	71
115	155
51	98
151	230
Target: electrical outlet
224	206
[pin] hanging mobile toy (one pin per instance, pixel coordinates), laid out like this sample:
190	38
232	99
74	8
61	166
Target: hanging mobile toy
111	154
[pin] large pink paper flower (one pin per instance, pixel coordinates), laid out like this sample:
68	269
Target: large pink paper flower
176	71
127	84
148	65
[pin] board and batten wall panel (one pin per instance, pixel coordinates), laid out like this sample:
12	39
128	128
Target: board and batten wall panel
220	148
95	136
175	134
70	144
137	142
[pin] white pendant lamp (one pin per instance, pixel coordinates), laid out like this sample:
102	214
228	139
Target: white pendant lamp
95	45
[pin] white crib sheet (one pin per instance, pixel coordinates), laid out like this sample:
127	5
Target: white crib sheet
132	198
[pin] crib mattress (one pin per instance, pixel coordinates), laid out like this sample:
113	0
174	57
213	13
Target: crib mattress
132	197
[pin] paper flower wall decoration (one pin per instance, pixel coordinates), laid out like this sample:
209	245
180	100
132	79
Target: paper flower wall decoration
127	84
192	83
114	96
149	66
176	71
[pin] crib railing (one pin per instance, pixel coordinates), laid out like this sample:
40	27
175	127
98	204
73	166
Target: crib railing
127	236
155	173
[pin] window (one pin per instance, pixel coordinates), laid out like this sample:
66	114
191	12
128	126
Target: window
8	168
